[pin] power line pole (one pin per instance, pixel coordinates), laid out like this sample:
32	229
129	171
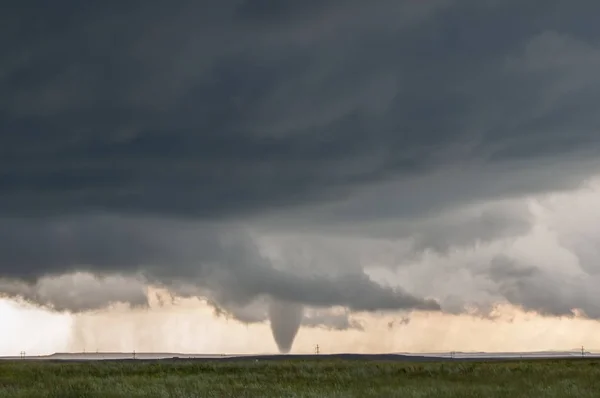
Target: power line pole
582	352
317	349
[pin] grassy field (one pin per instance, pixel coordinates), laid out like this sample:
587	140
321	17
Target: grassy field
300	378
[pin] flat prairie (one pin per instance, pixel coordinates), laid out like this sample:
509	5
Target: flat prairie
326	377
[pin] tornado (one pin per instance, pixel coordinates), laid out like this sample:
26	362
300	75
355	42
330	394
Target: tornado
285	319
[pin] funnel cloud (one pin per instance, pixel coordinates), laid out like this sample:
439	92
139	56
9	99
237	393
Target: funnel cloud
285	319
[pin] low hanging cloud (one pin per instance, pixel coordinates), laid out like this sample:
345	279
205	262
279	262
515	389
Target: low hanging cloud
331	320
78	292
188	259
548	293
395	157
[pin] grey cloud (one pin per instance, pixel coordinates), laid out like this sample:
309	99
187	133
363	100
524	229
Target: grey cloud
545	271
503	269
190	259
202	111
321	245
548	293
33	248
330	320
257	311
253	312
77	292
355	291
465	229
577	228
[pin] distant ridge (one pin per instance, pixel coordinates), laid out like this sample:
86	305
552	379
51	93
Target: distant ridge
403	356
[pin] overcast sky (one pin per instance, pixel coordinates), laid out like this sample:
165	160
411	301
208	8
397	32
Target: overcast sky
323	158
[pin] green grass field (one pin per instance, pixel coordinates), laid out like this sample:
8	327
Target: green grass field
301	378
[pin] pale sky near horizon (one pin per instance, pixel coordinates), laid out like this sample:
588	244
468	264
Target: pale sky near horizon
266	175
193	329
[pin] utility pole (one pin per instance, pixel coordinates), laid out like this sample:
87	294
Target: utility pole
133	354
582	352
317	349
22	354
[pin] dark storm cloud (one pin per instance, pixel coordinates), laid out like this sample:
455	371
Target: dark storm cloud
335	112
237	107
190	259
464	230
257	311
330	320
548	293
77	292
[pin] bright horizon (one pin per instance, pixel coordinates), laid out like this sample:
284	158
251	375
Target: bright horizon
197	331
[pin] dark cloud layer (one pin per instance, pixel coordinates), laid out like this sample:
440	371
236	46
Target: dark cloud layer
224	262
119	119
548	293
213	110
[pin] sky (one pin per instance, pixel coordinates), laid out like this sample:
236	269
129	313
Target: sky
263	176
